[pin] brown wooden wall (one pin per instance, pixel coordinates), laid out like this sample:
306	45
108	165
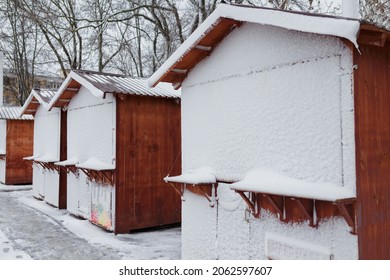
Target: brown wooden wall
62	200
372	137
148	143
19	142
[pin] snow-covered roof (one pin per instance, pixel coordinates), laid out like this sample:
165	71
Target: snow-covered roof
95	164
267	181
70	161
36	98
227	17
13	113
102	83
203	175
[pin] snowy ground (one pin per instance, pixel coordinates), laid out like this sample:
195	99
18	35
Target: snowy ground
32	229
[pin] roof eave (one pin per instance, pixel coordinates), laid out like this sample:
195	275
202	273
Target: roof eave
171	73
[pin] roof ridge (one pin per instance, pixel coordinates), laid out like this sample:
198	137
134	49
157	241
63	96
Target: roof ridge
81	71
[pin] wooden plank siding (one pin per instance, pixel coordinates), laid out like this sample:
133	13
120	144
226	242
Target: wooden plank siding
62	200
19	144
372	137
148	143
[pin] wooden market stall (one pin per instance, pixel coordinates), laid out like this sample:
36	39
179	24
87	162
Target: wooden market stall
123	138
285	134
16	142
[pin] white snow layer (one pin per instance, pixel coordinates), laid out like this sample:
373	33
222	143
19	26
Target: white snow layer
7	251
46	149
32	157
202	175
91	139
282	101
344	28
70	161
263	180
47	158
95	164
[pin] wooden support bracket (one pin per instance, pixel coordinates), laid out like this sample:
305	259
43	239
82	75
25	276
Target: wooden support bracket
308	213
347	210
255	210
71	168
40	164
98	176
176	189
108	177
274	205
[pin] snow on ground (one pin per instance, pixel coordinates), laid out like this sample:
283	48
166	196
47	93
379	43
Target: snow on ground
29	227
5	188
7	252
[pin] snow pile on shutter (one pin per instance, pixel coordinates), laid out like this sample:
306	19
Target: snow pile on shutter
46	158
203	175
33	157
95	164
71	161
262	180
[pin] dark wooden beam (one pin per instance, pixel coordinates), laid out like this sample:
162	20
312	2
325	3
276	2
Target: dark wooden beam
347	210
250	204
274	205
308	213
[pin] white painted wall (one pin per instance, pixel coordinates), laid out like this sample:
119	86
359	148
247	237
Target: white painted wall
3	137
274	98
91	133
199	228
38	182
47	128
72	194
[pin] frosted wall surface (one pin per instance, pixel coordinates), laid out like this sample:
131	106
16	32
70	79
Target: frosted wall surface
282	100
38	181
91	127
72	194
47	132
91	133
47	142
233	228
331	240
52	190
198	228
3	148
273	98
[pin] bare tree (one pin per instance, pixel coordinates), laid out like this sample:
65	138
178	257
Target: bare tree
376	12
57	21
19	42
